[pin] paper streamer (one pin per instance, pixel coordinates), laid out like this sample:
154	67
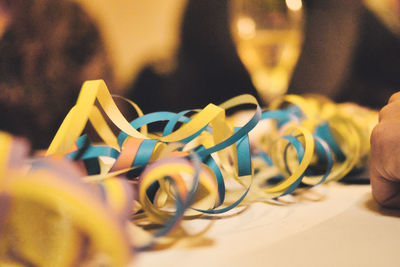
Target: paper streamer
203	162
50	217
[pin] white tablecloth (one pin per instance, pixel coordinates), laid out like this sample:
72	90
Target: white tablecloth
331	225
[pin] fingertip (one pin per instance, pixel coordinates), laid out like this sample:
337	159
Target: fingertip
386	193
394	97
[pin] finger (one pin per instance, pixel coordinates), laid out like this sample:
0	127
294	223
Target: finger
394	97
385	150
390	112
386	193
385	187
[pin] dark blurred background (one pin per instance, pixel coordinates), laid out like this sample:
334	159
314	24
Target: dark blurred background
48	48
348	55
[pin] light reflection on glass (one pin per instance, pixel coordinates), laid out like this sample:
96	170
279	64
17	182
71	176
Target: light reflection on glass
268	35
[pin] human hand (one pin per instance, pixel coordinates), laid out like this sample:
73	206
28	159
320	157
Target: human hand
385	155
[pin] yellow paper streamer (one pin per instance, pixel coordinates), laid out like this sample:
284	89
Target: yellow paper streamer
169	187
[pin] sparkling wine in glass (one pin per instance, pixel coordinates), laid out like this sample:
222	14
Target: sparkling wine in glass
268	35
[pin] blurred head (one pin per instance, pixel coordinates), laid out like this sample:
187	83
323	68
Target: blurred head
47	50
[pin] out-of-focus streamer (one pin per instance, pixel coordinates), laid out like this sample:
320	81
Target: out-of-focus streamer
50	217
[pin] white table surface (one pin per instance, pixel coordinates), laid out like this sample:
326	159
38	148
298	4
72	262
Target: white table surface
331	225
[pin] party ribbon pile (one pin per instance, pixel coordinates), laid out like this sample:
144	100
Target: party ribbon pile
202	163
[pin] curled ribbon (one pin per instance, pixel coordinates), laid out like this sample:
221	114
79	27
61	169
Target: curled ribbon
205	163
50	217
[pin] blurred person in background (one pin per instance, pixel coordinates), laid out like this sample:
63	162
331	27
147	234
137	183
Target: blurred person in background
207	69
47	50
348	55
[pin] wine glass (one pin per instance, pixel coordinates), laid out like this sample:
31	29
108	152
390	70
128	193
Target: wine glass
268	35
